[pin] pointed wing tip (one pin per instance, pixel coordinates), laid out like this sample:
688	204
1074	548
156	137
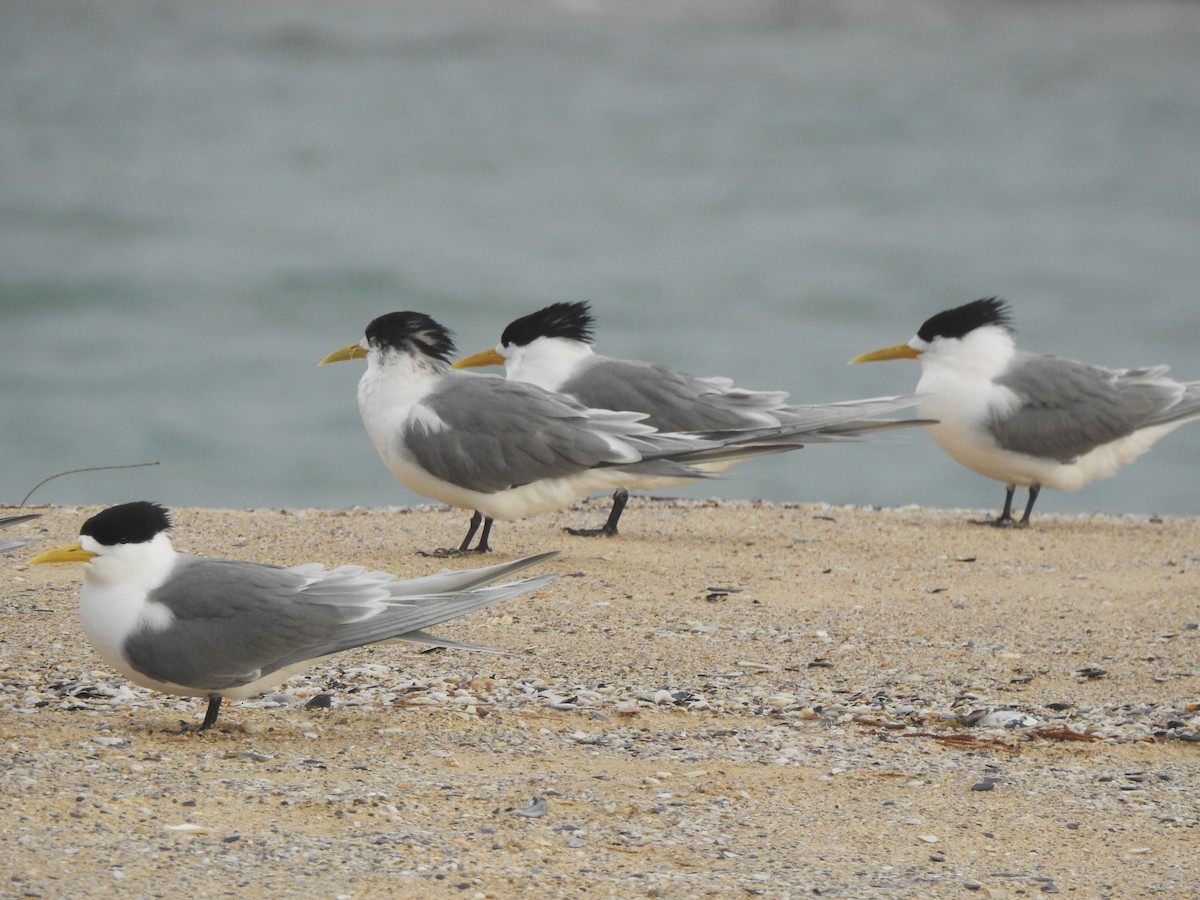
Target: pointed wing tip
5	521
540	557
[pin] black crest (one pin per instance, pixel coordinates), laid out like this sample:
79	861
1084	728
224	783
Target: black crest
412	331
962	320
129	523
562	320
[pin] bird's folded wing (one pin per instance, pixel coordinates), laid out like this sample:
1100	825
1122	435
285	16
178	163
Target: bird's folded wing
1068	408
672	400
410	616
229	620
233	623
496	434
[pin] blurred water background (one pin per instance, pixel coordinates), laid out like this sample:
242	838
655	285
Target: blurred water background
200	200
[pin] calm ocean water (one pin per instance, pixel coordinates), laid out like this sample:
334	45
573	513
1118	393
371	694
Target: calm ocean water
199	201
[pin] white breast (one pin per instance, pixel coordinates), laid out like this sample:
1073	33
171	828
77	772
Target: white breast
112	601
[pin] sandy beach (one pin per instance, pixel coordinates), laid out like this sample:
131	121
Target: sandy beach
728	699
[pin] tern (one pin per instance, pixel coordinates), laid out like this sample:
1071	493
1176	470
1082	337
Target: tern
6	521
507	449
552	348
1033	420
220	628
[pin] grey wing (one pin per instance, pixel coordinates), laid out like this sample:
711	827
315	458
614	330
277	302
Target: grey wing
824	423
848	419
407	617
672	400
677	401
1069	408
232	621
6	521
503	434
460	580
237	622
465	579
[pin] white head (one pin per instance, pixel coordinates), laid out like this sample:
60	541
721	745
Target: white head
410	336
974	339
126	544
541	348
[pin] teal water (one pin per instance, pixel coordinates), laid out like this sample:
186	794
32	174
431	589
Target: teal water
199	201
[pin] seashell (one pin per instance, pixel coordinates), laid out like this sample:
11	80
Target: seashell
189	828
1007	718
536	808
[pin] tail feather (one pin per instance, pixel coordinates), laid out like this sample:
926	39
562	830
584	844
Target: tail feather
435	642
1185	408
465	579
407	617
817	417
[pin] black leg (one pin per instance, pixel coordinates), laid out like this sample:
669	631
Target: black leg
483	546
1005	519
465	547
609	528
1034	490
476	518
1006	513
210	717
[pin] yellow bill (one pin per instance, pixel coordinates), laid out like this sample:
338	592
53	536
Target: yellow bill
482	358
350	351
896	351
70	553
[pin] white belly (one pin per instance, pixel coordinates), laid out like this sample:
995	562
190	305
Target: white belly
974	447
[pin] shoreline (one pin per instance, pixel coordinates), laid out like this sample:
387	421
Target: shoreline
729	697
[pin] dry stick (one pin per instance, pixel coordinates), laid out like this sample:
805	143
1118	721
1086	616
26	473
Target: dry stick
75	471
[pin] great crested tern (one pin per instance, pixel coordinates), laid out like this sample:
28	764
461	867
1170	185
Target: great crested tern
552	348
220	628
1031	419
506	449
7	521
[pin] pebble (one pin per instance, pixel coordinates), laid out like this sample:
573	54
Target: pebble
111	741
874	710
862	722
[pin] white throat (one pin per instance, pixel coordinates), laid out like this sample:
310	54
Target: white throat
982	355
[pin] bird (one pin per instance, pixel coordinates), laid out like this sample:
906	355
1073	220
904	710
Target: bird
7	521
220	628
506	449
553	348
1031	419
